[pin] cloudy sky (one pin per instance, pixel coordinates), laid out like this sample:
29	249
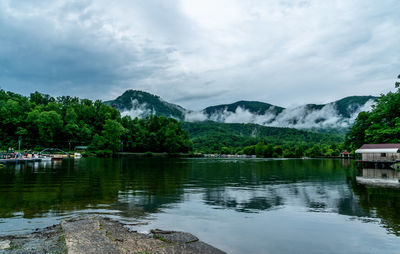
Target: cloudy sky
198	53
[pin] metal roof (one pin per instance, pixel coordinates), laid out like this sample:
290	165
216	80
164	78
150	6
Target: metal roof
380	146
383	150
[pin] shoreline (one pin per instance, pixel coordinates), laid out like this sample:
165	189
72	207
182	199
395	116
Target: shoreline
98	234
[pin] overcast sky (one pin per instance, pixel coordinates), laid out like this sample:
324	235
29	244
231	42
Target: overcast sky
198	53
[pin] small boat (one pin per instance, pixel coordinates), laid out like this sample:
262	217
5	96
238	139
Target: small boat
77	155
45	158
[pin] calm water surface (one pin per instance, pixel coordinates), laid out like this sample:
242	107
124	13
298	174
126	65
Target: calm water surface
237	205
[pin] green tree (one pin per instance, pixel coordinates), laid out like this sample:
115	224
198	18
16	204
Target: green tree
259	149
43	121
381	125
112	134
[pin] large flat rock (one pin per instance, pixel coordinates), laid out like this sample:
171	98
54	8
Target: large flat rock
48	240
101	235
87	235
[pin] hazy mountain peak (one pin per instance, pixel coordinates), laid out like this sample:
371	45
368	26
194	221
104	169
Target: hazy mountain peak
140	104
339	114
255	107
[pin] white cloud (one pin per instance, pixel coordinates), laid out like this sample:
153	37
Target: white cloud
138	110
195	116
282	52
242	115
302	117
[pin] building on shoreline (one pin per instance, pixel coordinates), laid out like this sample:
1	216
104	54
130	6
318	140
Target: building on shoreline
379	155
345	155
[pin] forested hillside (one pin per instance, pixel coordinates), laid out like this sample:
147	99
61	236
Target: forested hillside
335	116
40	121
213	137
381	125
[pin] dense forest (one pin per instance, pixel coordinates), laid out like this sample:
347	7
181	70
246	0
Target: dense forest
235	138
381	125
40	121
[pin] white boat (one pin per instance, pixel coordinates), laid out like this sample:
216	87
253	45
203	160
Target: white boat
77	155
45	158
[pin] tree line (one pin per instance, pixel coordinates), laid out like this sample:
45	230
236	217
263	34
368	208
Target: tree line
288	150
380	125
263	141
40	121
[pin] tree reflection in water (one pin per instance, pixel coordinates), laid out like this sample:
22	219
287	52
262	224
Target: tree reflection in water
141	187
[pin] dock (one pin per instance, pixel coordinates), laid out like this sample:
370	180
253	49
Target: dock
22	160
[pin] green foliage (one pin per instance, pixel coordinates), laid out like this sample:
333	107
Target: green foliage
112	133
213	137
397	84
381	125
104	153
156	134
66	122
293	150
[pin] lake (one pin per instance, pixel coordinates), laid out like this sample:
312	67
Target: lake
237	205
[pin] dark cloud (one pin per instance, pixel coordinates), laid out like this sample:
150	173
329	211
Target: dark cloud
282	52
46	53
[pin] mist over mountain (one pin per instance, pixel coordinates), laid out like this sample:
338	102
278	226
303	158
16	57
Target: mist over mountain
339	114
142	104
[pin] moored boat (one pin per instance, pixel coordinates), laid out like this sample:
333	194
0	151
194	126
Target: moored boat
45	158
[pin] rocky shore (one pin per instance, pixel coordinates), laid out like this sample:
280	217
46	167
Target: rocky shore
102	235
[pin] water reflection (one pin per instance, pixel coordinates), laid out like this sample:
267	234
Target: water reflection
379	195
139	188
379	177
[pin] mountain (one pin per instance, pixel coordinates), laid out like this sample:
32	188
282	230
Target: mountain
254	107
336	116
141	104
347	106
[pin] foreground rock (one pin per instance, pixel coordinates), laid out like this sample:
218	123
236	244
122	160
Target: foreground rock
101	235
48	240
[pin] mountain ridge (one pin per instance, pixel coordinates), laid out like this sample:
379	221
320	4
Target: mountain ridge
337	114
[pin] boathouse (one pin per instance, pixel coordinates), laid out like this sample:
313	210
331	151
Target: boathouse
379	155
